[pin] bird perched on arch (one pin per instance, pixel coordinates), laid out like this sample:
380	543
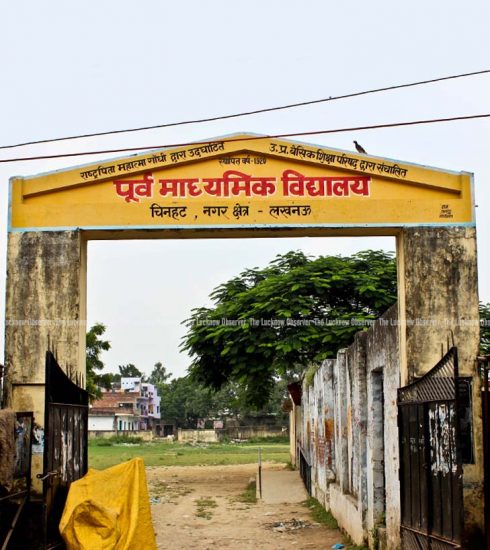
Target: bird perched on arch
360	148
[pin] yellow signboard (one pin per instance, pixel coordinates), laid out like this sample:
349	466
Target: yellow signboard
240	182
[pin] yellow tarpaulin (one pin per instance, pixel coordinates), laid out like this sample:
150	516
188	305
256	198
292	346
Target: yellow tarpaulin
109	510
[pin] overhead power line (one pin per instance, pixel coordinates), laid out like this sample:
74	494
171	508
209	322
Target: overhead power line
249	113
235	140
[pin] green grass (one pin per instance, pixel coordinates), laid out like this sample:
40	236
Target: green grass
204	507
284	439
249	496
351	546
320	515
115	440
163	453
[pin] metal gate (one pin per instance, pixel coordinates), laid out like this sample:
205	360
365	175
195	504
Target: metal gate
304	470
484	364
65	444
13	503
431	473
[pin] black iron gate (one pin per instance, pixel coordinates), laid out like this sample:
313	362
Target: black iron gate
14	502
304	470
484	364
431	474
65	444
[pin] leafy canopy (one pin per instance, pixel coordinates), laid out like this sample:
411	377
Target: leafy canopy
185	401
271	322
129	371
159	374
95	345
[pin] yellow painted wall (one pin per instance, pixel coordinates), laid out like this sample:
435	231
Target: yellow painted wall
252	183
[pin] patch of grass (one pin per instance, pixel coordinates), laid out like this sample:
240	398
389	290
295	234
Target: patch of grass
284	439
163	453
115	440
167	492
249	496
319	514
204	507
100	442
351	546
289	466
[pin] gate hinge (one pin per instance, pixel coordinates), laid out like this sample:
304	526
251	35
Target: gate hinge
42	477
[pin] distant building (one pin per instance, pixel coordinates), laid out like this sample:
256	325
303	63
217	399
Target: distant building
131	407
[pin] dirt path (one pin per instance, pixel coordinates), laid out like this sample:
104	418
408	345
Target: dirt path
197	508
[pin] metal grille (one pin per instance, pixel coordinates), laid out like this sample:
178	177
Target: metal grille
484	364
13	503
305	470
436	385
65	452
430	459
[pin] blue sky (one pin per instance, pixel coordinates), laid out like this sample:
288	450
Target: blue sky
75	68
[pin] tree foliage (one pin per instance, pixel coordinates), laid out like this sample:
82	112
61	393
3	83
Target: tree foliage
95	345
130	371
159	374
267	323
185	401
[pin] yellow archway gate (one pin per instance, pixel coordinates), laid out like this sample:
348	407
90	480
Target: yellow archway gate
243	186
243	182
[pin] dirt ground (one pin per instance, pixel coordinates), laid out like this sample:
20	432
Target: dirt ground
197	508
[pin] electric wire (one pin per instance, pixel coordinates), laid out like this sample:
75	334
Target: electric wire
251	138
249	113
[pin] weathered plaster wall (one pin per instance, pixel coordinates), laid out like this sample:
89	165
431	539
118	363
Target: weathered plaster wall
349	433
382	453
438	278
45	309
438	301
441	295
205	436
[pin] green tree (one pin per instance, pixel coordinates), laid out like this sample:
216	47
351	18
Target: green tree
485	329
130	371
270	323
186	401
95	345
159	374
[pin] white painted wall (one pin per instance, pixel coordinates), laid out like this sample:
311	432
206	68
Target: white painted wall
100	423
351	445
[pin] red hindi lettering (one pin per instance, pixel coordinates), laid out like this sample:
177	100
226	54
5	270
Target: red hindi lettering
360	186
132	190
179	187
293	183
340	187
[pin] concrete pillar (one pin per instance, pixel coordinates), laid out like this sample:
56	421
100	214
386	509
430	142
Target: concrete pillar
437	273
45	310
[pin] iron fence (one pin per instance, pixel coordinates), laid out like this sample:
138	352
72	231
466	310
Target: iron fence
484	368
431	475
305	470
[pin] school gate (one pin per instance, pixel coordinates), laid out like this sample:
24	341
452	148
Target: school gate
243	186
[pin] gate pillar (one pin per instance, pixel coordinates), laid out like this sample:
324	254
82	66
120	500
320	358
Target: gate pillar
438	295
45	309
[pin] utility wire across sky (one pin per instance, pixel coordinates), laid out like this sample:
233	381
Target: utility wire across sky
249	113
241	139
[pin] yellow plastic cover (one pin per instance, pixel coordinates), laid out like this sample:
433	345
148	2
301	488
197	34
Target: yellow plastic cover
109	510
